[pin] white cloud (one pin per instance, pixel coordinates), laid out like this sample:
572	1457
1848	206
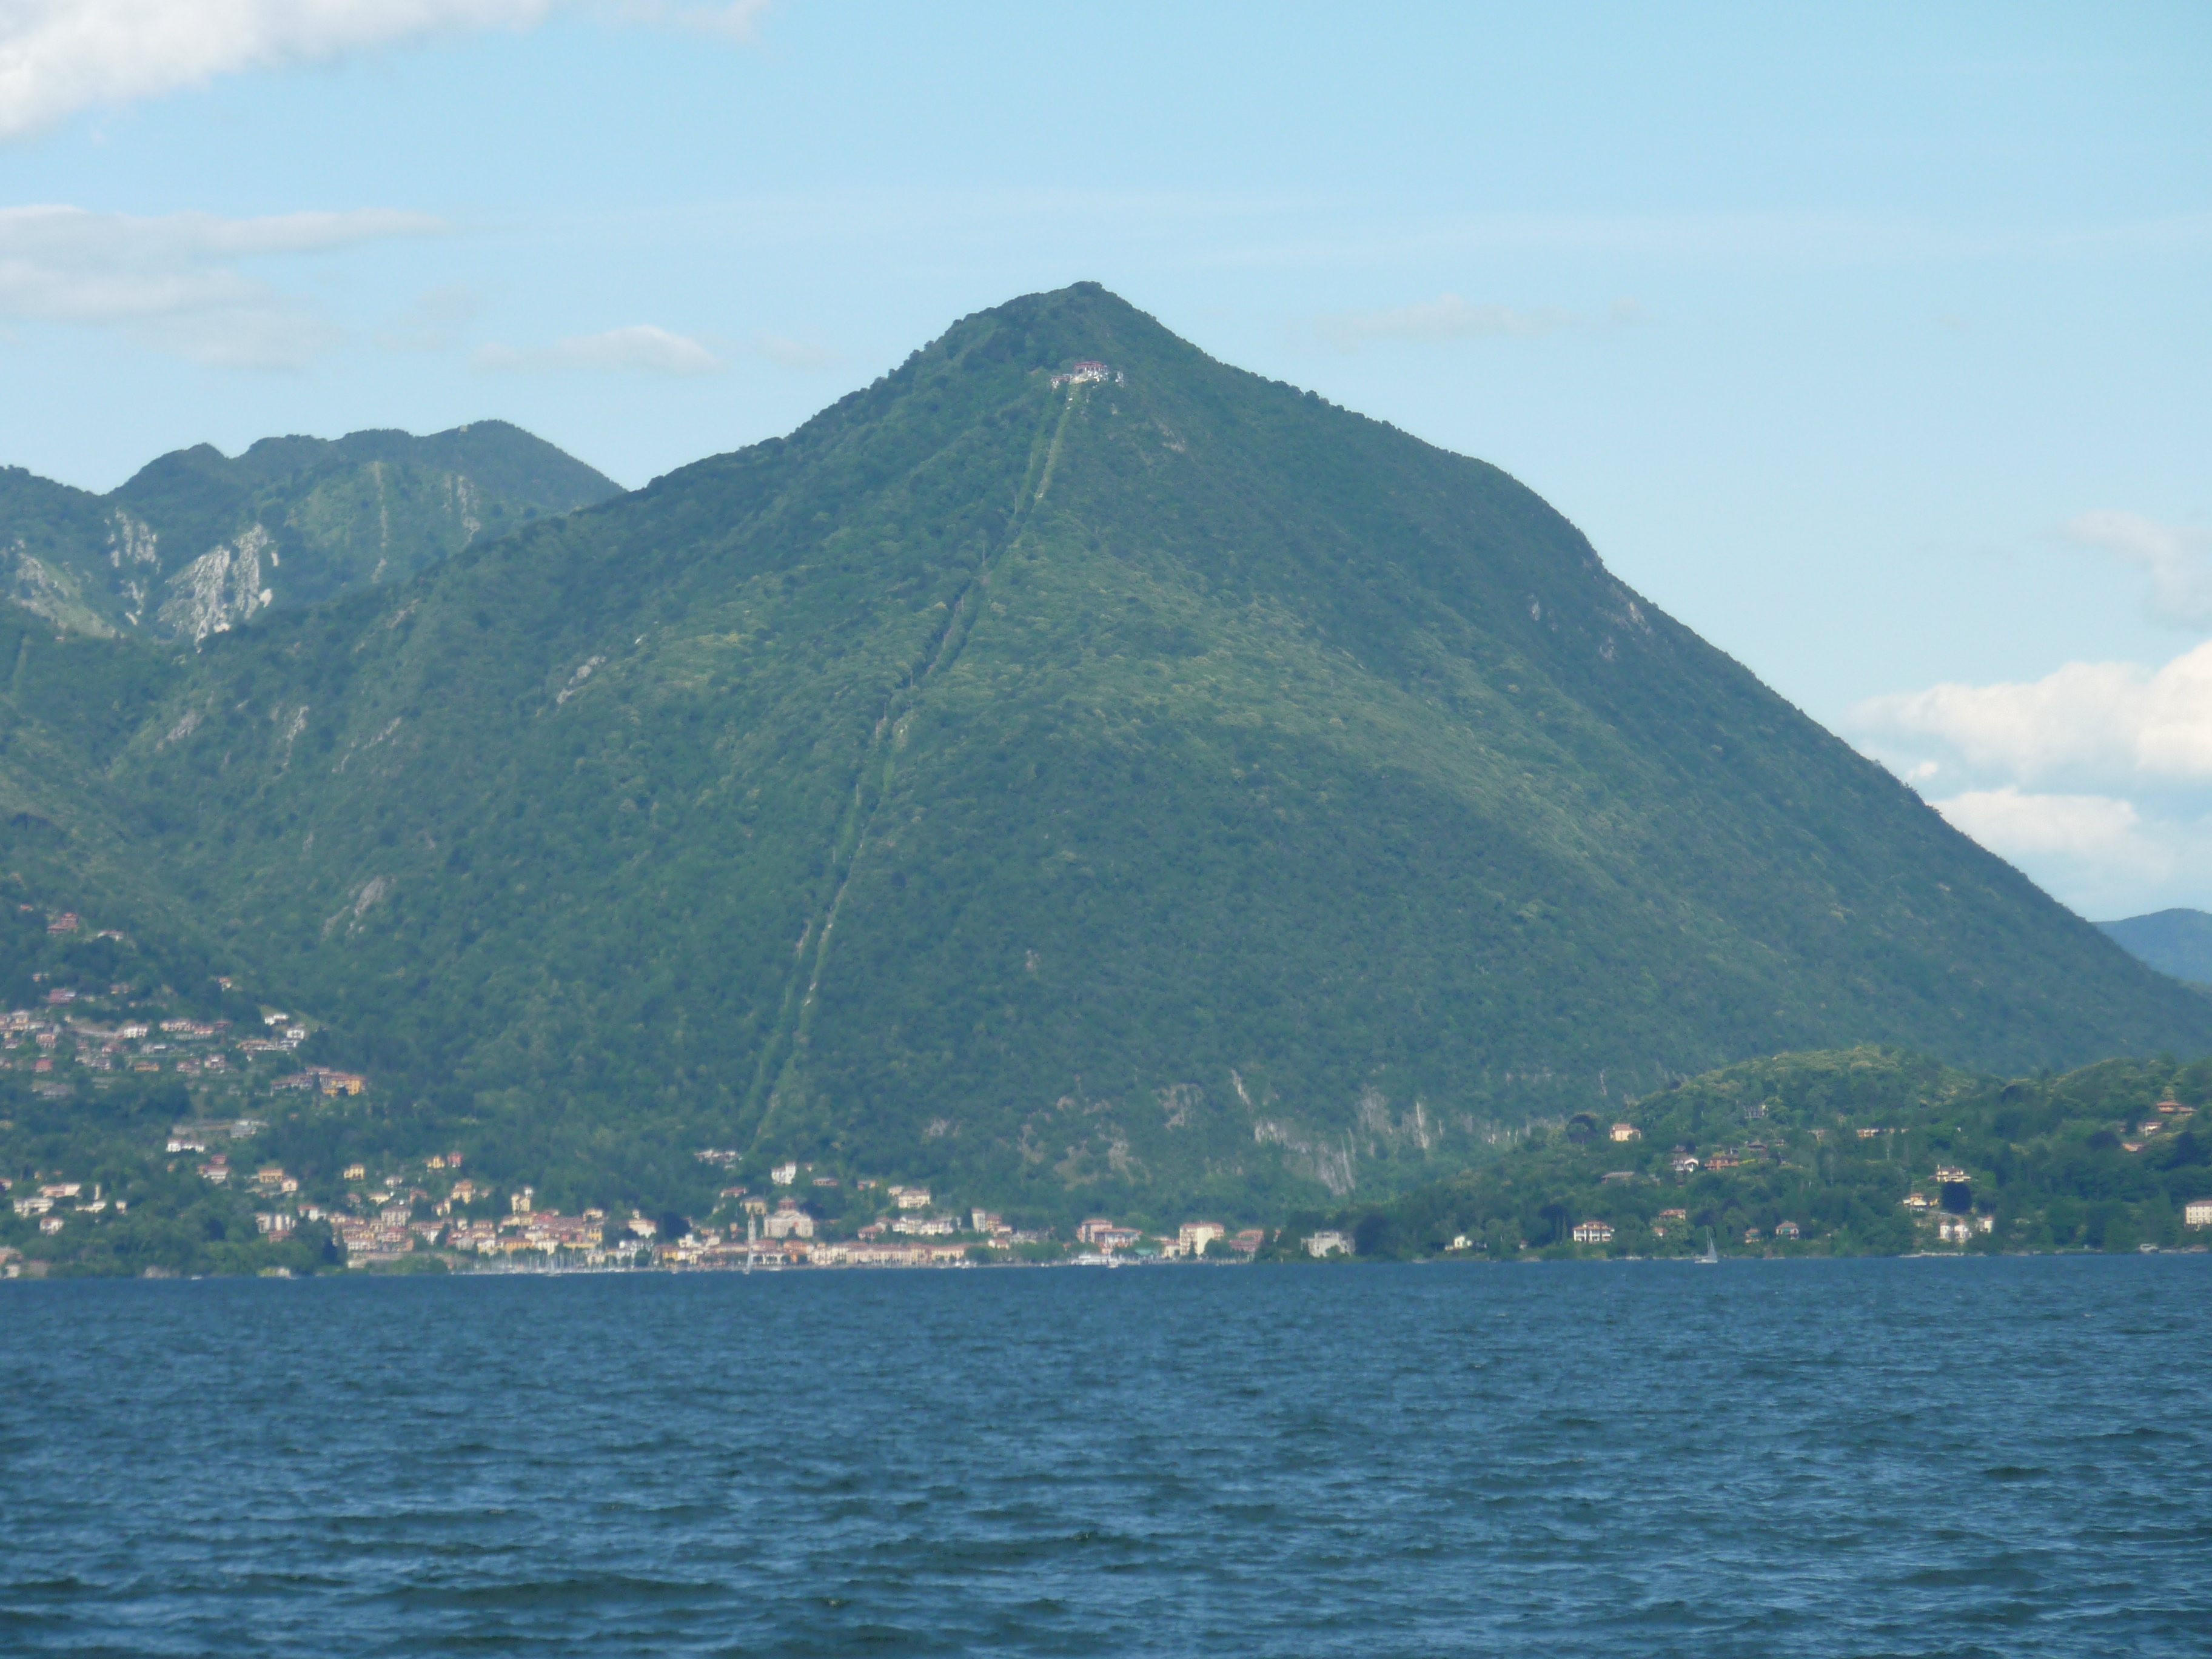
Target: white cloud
69	265
736	21
1448	317
2111	721
2018	825
175	281
2092	779
60	56
2099	853
57	57
640	346
2178	557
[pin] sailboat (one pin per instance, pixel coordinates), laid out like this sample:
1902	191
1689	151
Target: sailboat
1712	1255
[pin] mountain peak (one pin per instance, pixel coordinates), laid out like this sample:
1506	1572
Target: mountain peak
1072	788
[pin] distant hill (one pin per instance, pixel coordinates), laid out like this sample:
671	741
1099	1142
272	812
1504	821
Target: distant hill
1864	1152
1069	771
2176	942
198	542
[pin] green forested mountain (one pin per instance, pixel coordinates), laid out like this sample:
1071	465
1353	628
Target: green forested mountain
197	541
2176	942
1069	770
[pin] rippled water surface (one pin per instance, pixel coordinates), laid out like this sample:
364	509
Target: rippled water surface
1860	1457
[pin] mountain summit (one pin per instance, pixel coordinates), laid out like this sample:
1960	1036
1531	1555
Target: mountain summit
1070	766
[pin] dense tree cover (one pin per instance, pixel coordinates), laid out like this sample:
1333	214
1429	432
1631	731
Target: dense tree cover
324	517
1832	1144
1159	793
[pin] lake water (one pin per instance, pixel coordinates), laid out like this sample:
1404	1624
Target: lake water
2003	1457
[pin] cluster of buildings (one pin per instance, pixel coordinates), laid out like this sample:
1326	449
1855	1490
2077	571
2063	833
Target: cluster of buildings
382	1221
1685	1163
183	1047
53	1202
1087	372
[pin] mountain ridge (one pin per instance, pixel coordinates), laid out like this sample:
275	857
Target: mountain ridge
194	542
2176	942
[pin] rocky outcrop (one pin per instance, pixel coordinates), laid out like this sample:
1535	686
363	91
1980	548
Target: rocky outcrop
220	589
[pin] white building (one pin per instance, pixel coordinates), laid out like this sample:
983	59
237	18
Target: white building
1193	1236
2197	1213
1323	1244
784	1174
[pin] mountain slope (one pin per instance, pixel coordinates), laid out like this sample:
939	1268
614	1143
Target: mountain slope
2176	942
197	541
1151	784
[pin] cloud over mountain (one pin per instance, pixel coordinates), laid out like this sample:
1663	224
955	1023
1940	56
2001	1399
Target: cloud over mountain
178	279
2114	722
2098	776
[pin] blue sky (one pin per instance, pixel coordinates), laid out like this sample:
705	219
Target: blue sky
1871	341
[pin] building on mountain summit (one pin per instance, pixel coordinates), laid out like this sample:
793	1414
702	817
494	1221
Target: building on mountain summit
1086	373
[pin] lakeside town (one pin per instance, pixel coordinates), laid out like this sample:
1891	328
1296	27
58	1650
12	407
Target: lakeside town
433	1214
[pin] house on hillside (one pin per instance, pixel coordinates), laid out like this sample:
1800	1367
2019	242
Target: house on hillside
2197	1213
1593	1232
1626	1132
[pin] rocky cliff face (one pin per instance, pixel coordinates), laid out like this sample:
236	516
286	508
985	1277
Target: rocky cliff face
221	588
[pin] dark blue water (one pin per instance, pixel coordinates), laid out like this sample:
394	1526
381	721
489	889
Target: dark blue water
1912	1457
